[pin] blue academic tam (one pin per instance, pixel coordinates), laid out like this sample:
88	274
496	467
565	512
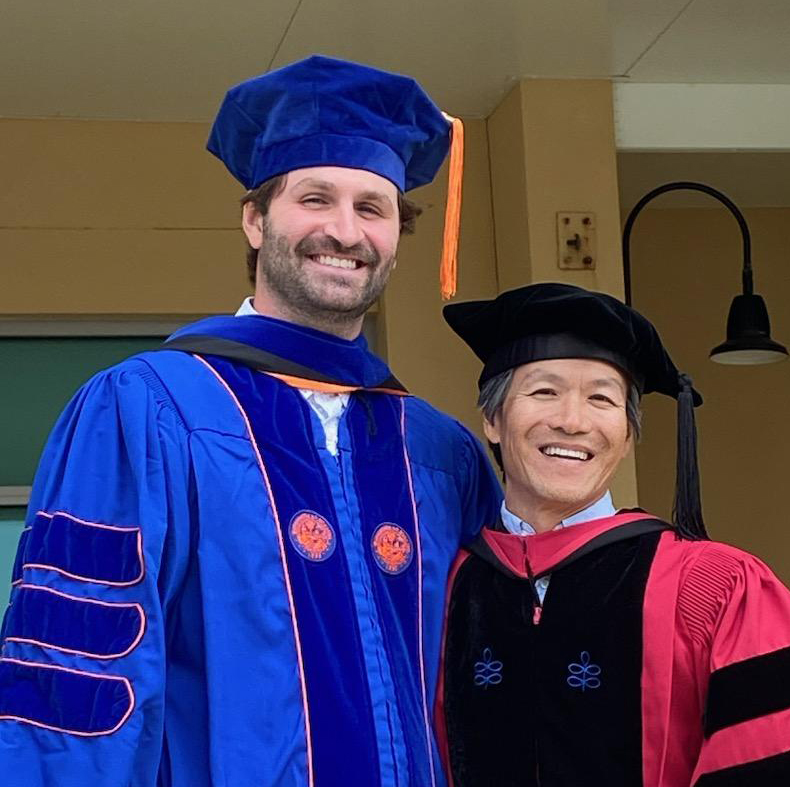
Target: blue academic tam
327	112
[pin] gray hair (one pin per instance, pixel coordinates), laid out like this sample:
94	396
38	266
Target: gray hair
494	391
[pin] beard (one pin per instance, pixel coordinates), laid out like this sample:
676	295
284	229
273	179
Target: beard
326	299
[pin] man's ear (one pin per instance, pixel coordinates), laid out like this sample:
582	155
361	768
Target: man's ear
252	224
630	441
491	430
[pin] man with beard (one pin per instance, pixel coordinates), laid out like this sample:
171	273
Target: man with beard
237	547
586	646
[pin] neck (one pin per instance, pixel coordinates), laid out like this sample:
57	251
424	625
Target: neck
340	325
544	515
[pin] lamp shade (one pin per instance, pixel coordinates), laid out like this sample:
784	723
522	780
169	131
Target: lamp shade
748	335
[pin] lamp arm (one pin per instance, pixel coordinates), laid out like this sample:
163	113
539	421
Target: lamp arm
748	286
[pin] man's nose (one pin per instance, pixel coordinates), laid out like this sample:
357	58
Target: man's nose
571	415
345	225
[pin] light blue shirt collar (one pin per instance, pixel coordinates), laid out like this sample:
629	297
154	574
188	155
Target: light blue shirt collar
246	308
598	510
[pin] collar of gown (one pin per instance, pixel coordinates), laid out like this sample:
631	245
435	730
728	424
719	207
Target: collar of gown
546	552
603	507
291	351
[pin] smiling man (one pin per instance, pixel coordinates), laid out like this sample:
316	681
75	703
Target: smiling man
237	550
328	241
586	647
558	463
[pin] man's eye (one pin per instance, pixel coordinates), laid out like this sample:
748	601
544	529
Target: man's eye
543	392
372	210
604	399
313	199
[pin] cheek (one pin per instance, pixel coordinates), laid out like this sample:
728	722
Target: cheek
619	439
385	238
523	415
516	432
291	222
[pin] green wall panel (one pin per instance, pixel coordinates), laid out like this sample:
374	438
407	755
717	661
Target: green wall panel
43	375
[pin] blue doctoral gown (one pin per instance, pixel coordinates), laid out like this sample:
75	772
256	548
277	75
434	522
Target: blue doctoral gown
205	596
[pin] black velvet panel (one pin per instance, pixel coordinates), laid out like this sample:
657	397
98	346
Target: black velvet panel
769	772
748	689
556	704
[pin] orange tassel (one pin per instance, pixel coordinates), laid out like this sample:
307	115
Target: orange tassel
448	272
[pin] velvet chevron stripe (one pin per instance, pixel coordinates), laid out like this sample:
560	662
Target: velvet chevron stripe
89	551
748	689
86	627
63	700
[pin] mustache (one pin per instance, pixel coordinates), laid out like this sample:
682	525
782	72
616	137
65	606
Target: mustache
326	244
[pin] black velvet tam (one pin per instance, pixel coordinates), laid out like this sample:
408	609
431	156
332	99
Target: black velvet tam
546	321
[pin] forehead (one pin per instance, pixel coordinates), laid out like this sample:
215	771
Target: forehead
342	179
586	371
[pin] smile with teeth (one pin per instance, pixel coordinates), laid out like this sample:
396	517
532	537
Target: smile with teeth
336	262
566	453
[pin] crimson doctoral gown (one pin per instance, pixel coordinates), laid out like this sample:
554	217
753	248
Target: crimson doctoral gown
652	661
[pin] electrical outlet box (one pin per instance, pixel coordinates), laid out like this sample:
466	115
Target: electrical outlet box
576	241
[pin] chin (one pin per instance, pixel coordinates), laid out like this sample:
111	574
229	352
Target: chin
341	301
571	496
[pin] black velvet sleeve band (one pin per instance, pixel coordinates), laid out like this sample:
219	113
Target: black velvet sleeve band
768	772
748	689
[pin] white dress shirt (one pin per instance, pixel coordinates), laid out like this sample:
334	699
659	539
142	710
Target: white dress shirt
601	508
327	406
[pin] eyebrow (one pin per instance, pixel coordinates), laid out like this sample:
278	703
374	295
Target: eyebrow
541	374
374	196
315	183
550	377
610	383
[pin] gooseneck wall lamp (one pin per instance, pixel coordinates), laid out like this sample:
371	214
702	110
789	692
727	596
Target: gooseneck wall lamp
748	328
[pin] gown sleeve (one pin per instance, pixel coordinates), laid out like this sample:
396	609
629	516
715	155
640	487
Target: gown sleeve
82	665
481	492
739	613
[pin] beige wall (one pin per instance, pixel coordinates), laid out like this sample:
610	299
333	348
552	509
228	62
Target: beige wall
102	217
686	268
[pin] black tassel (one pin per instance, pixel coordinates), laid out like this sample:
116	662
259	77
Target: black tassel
687	509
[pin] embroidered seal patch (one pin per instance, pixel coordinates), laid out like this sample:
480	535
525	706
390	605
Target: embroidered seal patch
312	536
392	548
584	675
